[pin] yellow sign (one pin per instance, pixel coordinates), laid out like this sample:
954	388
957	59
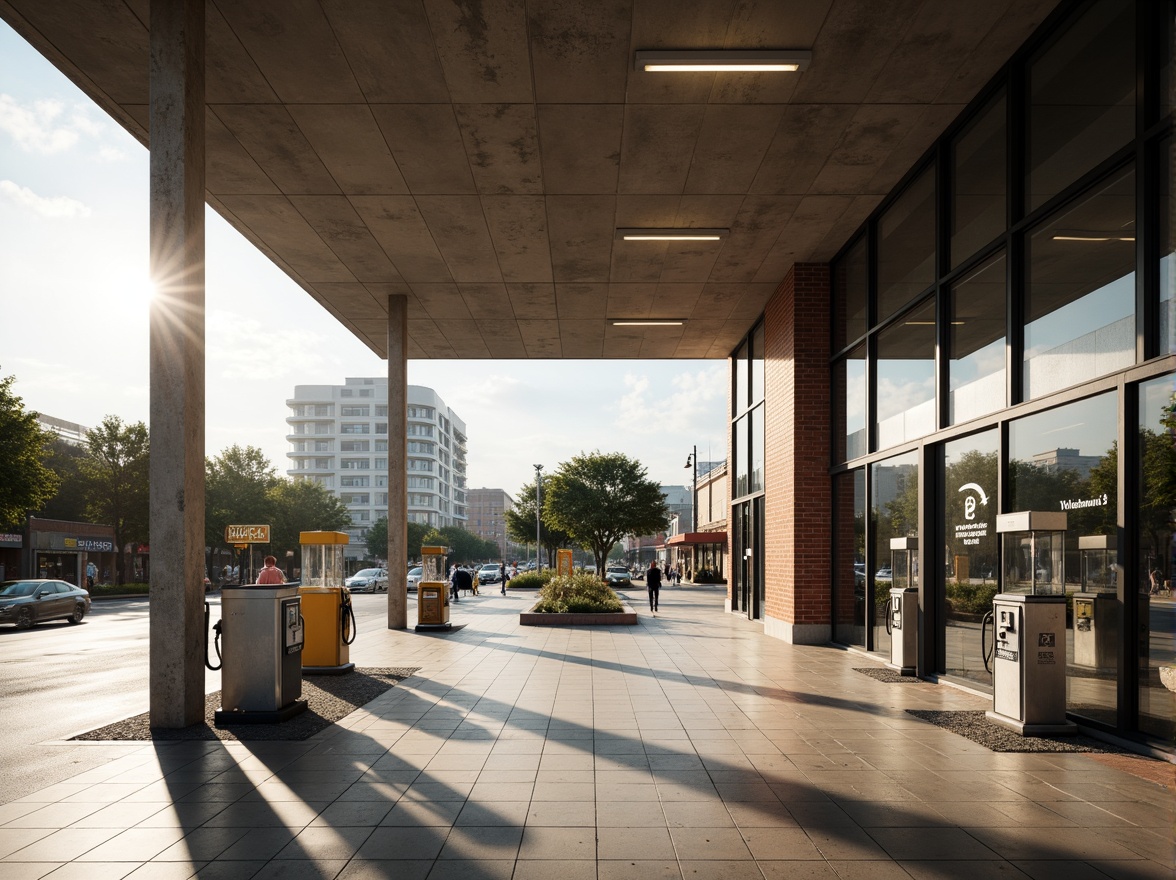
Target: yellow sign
247	534
563	563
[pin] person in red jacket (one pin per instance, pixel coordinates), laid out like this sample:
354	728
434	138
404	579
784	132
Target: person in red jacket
271	574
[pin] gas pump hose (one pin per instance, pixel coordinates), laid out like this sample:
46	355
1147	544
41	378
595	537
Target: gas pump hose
347	620
886	614
216	640
985	654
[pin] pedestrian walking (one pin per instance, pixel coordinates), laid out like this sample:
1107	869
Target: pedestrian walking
502	574
653	579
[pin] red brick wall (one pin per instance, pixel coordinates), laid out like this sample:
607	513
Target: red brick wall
797	485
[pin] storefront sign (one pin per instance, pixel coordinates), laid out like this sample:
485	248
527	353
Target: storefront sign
7	539
971	532
89	545
247	534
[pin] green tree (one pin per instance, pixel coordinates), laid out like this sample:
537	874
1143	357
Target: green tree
26	483
520	524
376	540
69	503
416	537
237	491
302	506
600	498
115	473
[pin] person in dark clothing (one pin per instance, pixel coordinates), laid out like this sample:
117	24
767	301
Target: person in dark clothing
461	581
653	584
502	575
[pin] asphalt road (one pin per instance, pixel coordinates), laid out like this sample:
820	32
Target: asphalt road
58	680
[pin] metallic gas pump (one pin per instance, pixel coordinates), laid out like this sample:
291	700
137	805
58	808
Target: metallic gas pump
1029	619
330	619
1096	608
260	637
902	608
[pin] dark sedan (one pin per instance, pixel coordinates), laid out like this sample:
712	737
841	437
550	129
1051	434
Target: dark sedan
25	603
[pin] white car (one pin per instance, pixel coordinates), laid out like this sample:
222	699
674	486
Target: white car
368	580
488	574
414	578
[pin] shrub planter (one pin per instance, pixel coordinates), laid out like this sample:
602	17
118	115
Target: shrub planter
612	618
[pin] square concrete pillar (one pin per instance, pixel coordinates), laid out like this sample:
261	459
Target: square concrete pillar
177	362
397	453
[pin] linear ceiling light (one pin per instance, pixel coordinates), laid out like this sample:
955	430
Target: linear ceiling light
652	322
724	61
679	234
1093	235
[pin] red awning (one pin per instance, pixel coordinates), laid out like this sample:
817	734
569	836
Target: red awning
698	538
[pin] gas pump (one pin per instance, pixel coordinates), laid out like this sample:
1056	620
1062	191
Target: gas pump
902	608
330	619
1029	623
1096	607
432	591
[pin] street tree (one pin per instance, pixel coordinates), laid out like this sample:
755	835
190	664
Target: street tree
520	524
377	540
115	475
416	537
302	506
237	487
26	483
69	502
599	498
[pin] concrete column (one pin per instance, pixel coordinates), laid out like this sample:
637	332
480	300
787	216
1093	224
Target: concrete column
397	455
177	362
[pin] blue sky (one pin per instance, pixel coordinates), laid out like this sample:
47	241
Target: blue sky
73	318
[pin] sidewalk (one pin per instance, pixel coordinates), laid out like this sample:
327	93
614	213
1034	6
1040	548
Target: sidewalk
689	746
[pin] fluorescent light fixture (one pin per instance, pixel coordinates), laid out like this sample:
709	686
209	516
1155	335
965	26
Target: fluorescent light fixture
651	322
1093	235
680	234
724	61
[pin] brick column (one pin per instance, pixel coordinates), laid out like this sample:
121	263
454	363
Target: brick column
797	489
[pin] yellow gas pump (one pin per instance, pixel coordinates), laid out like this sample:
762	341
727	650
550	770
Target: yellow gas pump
326	605
433	591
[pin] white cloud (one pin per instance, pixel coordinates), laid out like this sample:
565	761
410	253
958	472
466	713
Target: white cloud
248	351
111	154
35	126
52	207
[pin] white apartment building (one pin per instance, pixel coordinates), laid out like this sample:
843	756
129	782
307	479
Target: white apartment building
339	439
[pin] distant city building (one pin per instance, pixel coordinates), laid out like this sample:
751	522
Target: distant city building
70	432
339	439
487	509
1063	459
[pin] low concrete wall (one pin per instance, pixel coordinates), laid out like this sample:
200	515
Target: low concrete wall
539	618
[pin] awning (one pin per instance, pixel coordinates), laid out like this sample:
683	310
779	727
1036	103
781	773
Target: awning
696	538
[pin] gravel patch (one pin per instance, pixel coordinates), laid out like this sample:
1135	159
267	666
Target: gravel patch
971	724
328	698
889	676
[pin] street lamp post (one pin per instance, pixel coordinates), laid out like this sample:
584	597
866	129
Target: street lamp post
692	461
538	502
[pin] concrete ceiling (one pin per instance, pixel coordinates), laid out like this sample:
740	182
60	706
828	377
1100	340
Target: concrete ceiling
477	155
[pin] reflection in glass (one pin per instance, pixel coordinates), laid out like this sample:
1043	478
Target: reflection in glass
1167	314
1082	98
740	369
849	567
979	158
850	289
977	343
906	378
894	513
757	364
756	427
739	458
906	246
1156	481
1066	459
850	386
968	469
1080	301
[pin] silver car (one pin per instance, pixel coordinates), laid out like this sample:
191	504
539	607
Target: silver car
368	580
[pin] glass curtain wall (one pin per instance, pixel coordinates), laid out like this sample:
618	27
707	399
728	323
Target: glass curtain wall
967	524
849	569
1067	459
1155	479
747	469
894	513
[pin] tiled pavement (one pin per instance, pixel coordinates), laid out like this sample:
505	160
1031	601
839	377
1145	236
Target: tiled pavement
690	746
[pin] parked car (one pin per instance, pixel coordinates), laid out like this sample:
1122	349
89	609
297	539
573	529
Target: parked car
883	574
368	580
487	574
25	603
618	576
414	578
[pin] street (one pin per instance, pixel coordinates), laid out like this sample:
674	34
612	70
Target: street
58	680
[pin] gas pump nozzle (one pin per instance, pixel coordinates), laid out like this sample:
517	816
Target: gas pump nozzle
216	640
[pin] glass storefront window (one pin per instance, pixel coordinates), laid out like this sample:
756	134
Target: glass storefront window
1167	314
1081	98
757	364
850	404
906	246
755	481
1080	300
740	369
978	198
968	474
739	458
1066	459
976	370
849	569
850	290
1156	549
894	513
905	379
